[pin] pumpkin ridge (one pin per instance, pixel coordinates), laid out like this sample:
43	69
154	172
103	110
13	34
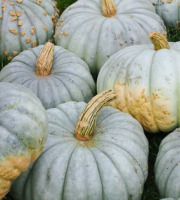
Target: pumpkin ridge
150	92
58	125
107	157
30	13
165	185
115	167
125	152
80	79
67	168
18	28
97	47
162	158
100	176
70	120
77	28
65	86
130	131
28	18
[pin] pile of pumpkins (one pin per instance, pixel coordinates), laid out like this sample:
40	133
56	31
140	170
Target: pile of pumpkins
77	92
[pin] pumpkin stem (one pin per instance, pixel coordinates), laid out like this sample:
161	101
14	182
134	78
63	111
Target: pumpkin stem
45	60
159	40
108	8
87	121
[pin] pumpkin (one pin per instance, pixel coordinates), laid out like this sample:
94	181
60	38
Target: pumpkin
95	30
24	24
168	11
90	154
54	74
23	132
146	81
167	167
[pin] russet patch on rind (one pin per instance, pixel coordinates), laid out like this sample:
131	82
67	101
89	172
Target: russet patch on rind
10	168
153	111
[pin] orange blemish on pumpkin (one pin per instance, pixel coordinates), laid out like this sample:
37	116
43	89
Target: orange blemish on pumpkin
34	44
154	111
15	32
12	166
20	23
65	33
4	7
10	169
13	18
22	33
19	1
12	13
15	53
6	52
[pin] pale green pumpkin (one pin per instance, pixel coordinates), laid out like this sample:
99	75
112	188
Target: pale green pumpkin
100	156
23	132
54	74
169	11
96	29
167	166
146	79
25	24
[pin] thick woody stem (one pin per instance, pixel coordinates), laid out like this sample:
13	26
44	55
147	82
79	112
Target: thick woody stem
159	40
108	8
45	60
87	121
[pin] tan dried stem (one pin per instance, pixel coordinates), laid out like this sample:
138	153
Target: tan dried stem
108	8
87	121
159	40
45	60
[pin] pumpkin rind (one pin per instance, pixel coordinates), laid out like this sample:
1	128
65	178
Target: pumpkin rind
169	11
167	168
84	30
24	24
147	84
69	79
96	169
23	132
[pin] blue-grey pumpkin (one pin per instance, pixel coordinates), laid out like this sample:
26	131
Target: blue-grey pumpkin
25	24
23	132
96	29
88	155
54	74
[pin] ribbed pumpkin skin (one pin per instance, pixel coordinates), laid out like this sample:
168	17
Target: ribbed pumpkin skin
23	131
169	11
112	165
70	78
147	84
24	25
167	167
84	30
